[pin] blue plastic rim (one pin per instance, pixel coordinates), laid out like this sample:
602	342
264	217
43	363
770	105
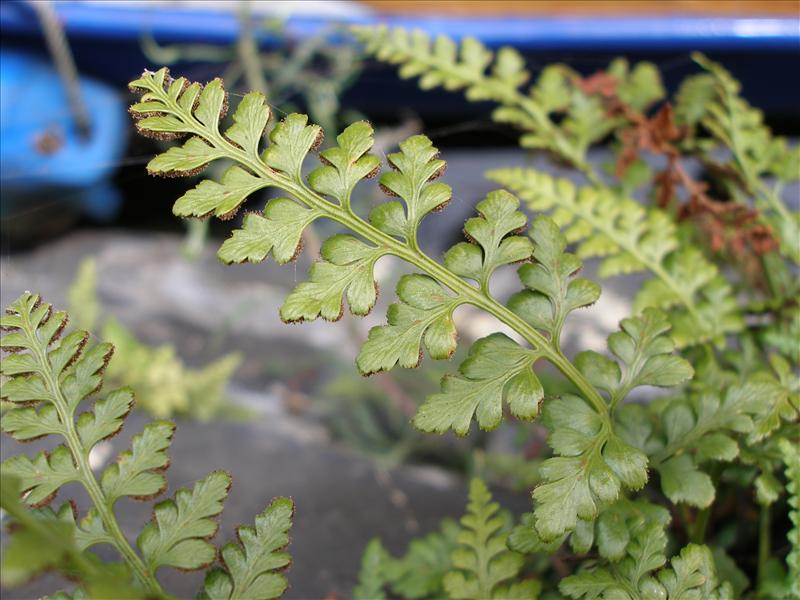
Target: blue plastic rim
120	21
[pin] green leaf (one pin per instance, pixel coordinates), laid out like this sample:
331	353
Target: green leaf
690	575
779	391
682	482
40	541
249	123
420	573
346	269
28	424
590	468
186	160
372	575
791	458
292	139
640	87
177	536
250	566
645	354
415	167
497	368
221	199
138	472
43	475
481	562
690	431
631	238
498	218
279	230
106	418
346	164
551	292
424	313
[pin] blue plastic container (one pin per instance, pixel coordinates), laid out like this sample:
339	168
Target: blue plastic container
40	146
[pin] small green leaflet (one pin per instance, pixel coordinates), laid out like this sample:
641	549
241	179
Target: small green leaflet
346	164
420	573
220	199
43	475
250	565
190	158
106	418
691	574
552	293
345	269
415	166
179	532
493	247
291	140
791	458
42	540
137	472
482	563
590	468
692	431
279	230
27	424
645	353
372	577
497	368
424	313
249	122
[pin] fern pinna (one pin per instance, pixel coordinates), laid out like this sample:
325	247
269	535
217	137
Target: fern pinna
48	379
604	449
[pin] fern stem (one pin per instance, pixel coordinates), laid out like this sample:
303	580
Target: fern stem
408	251
81	457
764	542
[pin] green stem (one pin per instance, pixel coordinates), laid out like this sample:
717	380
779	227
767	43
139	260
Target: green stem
698	530
81	457
764	541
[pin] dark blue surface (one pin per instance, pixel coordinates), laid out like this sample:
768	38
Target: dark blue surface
125	22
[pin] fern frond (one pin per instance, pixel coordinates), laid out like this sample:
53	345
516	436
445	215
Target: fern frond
681	434
252	567
691	574
631	238
484	75
46	380
38	543
373	575
423	316
791	458
482	562
713	100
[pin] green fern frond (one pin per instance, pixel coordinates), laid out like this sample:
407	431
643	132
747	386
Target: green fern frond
791	458
713	100
691	574
39	542
252	567
681	434
373	576
422	319
482	563
46	379
484	75
630	238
